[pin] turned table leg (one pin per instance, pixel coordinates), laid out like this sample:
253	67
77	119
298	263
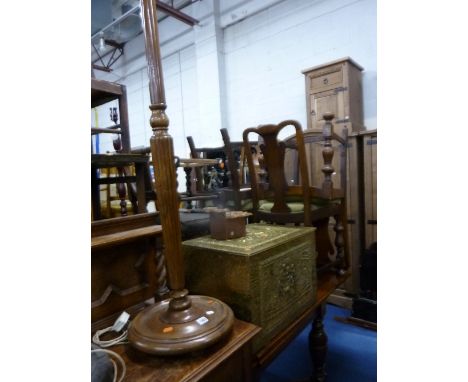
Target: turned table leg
95	193
140	187
318	341
188	184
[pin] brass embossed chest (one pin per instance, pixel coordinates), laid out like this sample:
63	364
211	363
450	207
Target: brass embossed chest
267	277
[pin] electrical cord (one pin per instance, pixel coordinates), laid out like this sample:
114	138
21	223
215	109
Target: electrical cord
118	357
122	339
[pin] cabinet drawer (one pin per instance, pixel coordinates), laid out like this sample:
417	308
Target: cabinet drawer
326	80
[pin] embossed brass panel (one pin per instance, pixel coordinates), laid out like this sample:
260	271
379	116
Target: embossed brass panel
267	277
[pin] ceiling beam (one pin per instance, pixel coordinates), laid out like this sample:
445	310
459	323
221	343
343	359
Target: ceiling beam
103	68
163	7
114	44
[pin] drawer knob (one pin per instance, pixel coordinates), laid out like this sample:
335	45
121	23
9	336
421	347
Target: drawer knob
325	81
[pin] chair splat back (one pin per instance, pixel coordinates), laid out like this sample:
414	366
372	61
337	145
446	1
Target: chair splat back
273	151
198	171
301	187
240	197
231	161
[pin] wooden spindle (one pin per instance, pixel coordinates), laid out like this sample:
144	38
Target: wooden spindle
327	153
117	143
161	274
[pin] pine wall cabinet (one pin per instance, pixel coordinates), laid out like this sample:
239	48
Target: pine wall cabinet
336	87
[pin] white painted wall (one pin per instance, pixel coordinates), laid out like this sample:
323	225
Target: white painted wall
262	46
181	96
265	54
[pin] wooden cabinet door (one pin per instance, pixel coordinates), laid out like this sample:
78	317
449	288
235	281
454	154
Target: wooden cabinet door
329	101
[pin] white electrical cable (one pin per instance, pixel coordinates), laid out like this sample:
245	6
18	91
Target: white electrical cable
118	357
122	339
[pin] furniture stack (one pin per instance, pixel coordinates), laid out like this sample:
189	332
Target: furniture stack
268	277
129	186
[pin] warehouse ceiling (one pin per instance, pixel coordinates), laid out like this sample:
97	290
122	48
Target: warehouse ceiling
105	12
115	22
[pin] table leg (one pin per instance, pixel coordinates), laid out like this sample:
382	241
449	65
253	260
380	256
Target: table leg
318	346
188	184
95	196
140	187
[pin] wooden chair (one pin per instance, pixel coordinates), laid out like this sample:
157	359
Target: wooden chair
287	195
114	199
237	195
202	190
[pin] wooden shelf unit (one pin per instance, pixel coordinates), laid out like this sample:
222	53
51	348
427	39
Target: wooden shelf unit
103	92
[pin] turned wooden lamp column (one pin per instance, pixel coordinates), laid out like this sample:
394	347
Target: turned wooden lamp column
182	323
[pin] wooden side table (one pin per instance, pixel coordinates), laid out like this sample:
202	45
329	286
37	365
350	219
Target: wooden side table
188	165
103	92
124	238
229	360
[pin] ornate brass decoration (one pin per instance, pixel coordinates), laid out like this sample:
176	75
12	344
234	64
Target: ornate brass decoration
267	277
287	280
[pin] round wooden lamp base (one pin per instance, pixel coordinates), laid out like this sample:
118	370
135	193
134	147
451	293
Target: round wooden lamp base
180	325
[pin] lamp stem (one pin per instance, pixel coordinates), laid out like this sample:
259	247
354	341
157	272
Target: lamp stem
162	151
180	324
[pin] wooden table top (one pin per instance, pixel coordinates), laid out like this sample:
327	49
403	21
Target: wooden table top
104	91
192	367
196	162
99	242
117	159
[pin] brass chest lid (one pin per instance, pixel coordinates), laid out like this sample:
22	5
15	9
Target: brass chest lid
259	238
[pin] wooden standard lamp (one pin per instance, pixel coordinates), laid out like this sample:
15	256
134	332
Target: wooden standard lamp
182	323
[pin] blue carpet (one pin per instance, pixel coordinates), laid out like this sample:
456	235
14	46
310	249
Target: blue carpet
352	354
